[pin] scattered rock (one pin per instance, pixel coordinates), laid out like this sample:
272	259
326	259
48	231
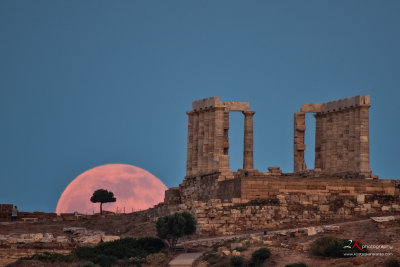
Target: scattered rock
93	239
284	245
331	228
236	245
383	219
235	253
267	242
75	230
311	231
226	252
109	238
62	239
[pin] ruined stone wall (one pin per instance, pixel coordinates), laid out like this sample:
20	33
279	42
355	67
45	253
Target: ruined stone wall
341	139
284	210
204	188
201	188
5	212
267	201
267	187
291	210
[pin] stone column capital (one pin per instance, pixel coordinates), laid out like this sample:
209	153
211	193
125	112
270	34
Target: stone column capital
248	113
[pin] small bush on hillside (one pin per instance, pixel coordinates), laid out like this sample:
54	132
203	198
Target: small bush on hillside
329	246
392	262
260	255
211	257
53	257
237	261
107	253
297	264
88	264
216	246
174	226
241	248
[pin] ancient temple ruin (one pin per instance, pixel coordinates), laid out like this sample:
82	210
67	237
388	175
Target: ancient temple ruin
225	201
208	138
341	151
341	139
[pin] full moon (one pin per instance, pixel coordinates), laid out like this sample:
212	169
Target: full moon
134	188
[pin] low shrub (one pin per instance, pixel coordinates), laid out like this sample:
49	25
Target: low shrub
297	264
53	257
236	261
211	257
216	246
329	246
260	255
156	259
108	253
391	262
243	248
88	264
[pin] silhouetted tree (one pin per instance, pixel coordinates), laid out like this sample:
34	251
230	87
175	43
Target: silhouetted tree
102	196
174	226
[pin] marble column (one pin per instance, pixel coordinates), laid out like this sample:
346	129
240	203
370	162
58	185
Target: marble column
219	137
206	140
200	142
364	140
298	144
248	140
195	143
189	158
318	141
211	137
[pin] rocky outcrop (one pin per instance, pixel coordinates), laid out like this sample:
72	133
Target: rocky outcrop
73	236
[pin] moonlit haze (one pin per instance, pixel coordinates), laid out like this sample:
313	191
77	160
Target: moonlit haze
134	188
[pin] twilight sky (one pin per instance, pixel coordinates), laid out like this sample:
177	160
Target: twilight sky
87	83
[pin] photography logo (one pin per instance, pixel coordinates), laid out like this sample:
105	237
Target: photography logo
355	245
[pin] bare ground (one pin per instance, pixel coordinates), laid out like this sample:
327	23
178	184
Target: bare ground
285	249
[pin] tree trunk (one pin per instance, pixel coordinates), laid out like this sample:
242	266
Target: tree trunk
184	243
101	208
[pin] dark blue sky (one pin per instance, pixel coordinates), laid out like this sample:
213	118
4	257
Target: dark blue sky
86	83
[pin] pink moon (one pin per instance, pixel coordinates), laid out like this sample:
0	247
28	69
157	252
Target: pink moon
134	188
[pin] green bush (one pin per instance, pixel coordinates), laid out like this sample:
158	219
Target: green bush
329	246
243	248
88	264
392	262
216	246
297	264
237	261
53	257
260	255
174	226
211	257
107	253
